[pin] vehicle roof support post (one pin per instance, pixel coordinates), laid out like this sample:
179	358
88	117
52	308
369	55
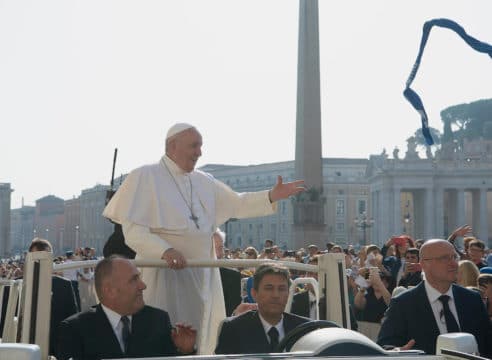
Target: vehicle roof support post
36	301
332	280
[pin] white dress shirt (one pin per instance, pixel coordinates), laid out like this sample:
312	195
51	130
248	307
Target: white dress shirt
116	324
279	326
437	307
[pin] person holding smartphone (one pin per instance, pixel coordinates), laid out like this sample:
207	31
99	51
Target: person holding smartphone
373	301
395	264
412	273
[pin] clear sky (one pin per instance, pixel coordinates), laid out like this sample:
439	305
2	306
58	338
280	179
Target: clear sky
79	78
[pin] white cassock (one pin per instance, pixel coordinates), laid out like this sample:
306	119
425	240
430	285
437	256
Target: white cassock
156	216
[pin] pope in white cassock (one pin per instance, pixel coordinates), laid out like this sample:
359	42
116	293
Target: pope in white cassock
169	211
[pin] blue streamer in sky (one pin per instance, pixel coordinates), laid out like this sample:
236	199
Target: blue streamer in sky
410	94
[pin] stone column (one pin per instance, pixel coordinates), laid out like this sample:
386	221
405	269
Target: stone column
483	227
384	220
397	223
429	215
460	207
439	212
418	210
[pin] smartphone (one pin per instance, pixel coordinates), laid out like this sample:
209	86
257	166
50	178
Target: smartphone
400	241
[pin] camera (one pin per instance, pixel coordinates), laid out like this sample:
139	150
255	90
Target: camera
268	250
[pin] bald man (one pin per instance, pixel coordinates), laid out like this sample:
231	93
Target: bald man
416	317
169	211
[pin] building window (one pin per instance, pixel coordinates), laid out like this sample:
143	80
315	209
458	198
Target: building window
340	207
361	207
340	227
340	241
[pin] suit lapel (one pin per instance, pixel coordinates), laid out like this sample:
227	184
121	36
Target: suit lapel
461	307
424	310
110	343
257	333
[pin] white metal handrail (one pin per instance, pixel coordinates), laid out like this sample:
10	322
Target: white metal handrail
236	263
330	269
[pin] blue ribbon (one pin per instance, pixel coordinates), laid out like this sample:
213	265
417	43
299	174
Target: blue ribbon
412	97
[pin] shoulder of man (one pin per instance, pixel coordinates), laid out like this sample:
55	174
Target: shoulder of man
465	293
295	318
148	310
247	316
60	279
199	174
82	317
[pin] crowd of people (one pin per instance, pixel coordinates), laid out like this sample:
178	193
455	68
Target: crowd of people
169	211
375	277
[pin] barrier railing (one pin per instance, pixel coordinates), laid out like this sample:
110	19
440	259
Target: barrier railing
36	302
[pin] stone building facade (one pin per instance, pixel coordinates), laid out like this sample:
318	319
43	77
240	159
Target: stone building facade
346	194
22	228
5	196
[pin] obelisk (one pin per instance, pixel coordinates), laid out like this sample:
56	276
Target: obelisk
308	219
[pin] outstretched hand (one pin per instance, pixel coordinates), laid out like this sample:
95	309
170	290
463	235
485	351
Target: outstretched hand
284	190
408	345
184	337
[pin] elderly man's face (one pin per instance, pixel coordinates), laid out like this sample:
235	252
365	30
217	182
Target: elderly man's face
219	246
186	149
439	261
126	287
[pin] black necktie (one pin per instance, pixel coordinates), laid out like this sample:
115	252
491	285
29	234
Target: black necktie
451	324
273	334
125	332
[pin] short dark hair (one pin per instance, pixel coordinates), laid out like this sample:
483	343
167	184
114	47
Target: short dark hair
269	269
103	270
38	244
484	279
413	251
477	243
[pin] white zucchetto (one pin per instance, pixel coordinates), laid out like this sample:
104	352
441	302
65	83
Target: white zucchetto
177	128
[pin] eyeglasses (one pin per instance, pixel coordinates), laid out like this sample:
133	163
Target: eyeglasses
444	258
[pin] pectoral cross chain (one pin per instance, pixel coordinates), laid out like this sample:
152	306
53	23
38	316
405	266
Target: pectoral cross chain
194	218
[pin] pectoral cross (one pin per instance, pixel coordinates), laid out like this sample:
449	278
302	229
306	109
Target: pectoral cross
194	218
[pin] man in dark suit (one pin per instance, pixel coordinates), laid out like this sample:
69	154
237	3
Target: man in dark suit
416	317
63	302
122	325
230	278
260	331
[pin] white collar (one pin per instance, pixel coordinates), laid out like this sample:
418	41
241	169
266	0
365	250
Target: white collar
267	326
434	294
172	166
113	317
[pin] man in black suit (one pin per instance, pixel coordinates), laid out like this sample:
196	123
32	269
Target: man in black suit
122	325
416	317
260	331
63	302
230	278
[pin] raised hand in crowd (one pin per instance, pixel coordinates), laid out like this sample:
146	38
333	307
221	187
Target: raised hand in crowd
462	231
